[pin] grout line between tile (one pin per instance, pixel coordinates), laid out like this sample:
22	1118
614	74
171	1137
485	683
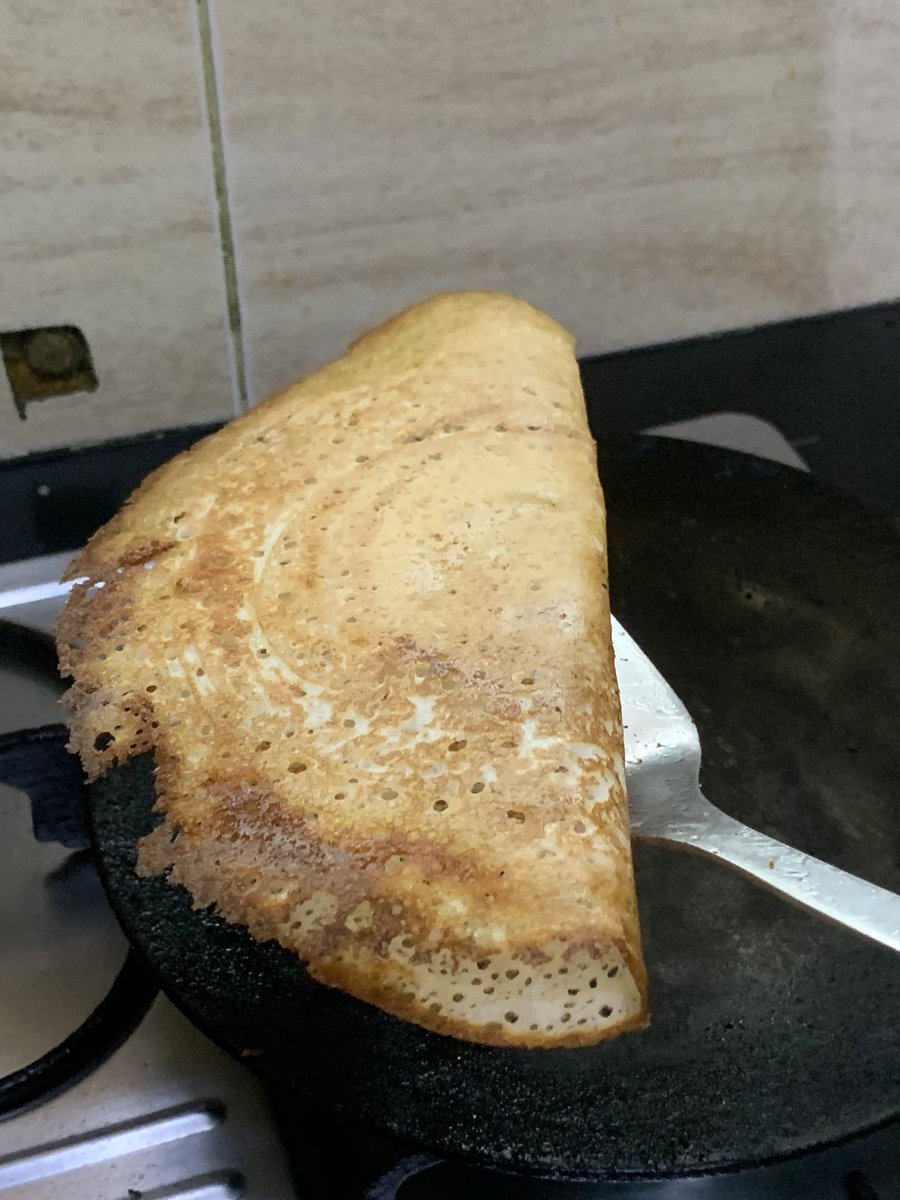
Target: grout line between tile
223	207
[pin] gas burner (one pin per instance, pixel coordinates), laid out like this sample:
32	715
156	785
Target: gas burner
332	1160
166	1115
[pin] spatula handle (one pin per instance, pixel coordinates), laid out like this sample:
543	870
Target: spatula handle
871	911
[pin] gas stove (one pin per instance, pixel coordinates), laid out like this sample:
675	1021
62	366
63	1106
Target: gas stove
167	1115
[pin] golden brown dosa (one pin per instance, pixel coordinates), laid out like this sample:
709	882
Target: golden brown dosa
365	629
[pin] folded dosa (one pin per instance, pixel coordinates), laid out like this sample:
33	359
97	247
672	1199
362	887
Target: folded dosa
365	629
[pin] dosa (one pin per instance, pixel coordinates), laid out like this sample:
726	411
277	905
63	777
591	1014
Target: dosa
365	631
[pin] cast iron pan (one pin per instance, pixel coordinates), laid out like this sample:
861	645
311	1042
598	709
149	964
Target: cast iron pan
771	604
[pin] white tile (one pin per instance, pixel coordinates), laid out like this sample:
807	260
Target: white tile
643	171
108	214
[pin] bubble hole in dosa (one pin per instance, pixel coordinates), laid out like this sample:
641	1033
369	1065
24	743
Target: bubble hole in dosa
365	629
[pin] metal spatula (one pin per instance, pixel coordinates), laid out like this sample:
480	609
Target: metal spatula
662	768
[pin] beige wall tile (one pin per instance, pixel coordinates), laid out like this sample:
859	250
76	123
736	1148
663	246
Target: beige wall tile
107	214
643	170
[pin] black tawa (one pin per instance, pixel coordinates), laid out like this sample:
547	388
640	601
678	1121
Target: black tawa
770	603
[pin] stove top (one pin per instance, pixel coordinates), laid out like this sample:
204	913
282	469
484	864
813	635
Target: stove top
168	1116
171	1116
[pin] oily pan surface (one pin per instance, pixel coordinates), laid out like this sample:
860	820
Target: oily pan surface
365	630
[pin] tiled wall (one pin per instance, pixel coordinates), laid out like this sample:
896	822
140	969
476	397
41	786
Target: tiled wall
644	170
107	214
